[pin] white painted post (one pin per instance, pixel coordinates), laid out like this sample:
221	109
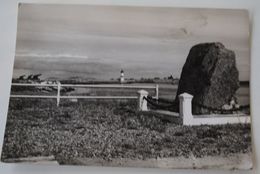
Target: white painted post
157	92
185	108
142	103
58	93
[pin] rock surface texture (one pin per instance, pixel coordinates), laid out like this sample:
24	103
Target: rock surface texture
210	75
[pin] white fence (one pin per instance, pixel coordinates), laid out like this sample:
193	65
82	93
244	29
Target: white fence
212	119
185	113
59	86
185	107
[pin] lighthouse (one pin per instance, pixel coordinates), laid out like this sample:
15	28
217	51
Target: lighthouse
122	78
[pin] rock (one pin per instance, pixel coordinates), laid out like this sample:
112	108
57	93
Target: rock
210	75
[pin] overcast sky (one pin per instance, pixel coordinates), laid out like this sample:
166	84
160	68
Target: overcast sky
97	41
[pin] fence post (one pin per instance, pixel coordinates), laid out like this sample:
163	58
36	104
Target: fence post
157	91
185	108
58	93
142	103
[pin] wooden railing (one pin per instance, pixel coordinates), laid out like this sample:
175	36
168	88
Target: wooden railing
59	86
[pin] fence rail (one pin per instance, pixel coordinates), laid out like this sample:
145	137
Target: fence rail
89	85
33	84
185	103
59	86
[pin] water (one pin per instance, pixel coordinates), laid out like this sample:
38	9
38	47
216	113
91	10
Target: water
243	95
167	91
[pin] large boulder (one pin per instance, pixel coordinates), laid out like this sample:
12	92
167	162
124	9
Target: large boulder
210	75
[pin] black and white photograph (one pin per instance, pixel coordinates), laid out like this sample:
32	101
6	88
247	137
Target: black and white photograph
130	86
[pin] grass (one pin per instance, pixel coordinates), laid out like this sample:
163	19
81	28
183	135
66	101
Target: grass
114	129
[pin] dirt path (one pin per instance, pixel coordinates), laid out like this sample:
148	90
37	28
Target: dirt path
237	161
35	160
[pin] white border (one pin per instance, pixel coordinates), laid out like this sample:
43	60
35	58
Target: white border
8	17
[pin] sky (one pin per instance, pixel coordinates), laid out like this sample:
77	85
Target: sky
65	41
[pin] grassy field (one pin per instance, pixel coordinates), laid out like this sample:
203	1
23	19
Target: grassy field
110	129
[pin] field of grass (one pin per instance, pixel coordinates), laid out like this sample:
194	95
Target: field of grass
110	129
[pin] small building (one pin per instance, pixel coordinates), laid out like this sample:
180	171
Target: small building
122	76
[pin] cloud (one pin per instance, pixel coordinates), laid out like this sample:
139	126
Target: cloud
65	69
44	55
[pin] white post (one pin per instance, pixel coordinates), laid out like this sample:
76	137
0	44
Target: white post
157	91
58	93
185	108
142	103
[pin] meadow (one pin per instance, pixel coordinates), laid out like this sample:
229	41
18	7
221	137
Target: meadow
110	129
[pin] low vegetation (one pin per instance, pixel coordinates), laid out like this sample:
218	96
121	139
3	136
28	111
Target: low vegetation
107	130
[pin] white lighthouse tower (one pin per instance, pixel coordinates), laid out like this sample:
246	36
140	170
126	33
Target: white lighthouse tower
122	76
